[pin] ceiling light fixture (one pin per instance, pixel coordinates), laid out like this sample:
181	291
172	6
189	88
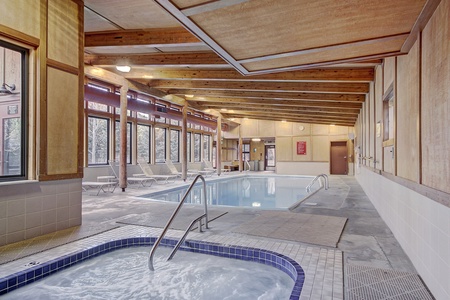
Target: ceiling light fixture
256	140
124	69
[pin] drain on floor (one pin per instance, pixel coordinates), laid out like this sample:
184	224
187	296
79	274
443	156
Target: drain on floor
377	284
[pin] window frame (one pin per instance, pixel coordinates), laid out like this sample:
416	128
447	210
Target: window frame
24	60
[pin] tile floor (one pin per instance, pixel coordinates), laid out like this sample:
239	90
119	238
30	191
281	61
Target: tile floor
323	266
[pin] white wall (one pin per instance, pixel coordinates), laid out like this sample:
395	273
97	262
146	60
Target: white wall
303	168
421	226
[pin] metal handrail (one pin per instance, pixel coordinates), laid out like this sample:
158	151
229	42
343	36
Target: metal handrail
324	177
174	214
248	164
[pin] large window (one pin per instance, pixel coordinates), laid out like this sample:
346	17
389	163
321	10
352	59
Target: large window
206	147
245	152
197	147
128	142
160	145
174	145
143	142
98	140
12	112
188	146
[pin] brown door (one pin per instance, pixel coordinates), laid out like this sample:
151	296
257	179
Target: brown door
338	158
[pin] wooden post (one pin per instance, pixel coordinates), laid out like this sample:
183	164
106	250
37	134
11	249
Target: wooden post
184	133
241	166
123	138
219	145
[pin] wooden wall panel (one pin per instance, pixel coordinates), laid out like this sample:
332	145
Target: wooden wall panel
366	109
408	97
378	92
62	122
389	72
283	129
339	130
266	128
283	148
309	149
320	129
63	32
249	128
371	120
436	100
301	129
321	148
22	15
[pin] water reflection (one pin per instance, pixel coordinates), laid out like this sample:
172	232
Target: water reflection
263	192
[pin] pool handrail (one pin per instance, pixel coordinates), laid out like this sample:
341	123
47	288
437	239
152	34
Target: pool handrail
320	176
248	164
174	214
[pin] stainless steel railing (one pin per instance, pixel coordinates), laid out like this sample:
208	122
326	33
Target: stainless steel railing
318	177
174	214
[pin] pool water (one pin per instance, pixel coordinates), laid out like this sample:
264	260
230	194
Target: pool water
265	192
124	274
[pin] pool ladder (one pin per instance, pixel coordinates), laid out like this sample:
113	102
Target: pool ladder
174	214
324	177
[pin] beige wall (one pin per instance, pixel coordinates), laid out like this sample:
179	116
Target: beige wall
51	199
412	191
287	134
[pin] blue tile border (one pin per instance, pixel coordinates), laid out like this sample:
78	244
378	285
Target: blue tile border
274	259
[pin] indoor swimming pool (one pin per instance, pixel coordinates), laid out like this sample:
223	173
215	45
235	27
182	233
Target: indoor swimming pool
238	273
265	192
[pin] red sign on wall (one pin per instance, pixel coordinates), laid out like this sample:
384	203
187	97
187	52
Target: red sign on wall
301	148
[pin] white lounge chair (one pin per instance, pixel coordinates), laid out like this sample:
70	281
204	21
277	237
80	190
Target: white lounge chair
174	170
148	173
209	167
142	181
99	185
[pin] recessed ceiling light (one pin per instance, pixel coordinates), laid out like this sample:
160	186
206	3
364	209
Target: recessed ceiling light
124	69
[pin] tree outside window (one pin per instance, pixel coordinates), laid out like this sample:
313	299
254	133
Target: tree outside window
160	145
175	145
13	112
188	146
143	142
98	140
206	147
197	147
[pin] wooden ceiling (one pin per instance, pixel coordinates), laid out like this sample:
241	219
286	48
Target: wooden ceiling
299	61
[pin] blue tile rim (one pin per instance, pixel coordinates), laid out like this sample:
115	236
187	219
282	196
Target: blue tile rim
274	259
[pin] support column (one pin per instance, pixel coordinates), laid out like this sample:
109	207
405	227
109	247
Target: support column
184	133
123	138
241	165
219	145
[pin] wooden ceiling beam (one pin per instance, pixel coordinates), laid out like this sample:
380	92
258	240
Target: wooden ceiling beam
160	59
269	108
299	119
326	75
271	95
154	37
328	87
300	103
304	114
